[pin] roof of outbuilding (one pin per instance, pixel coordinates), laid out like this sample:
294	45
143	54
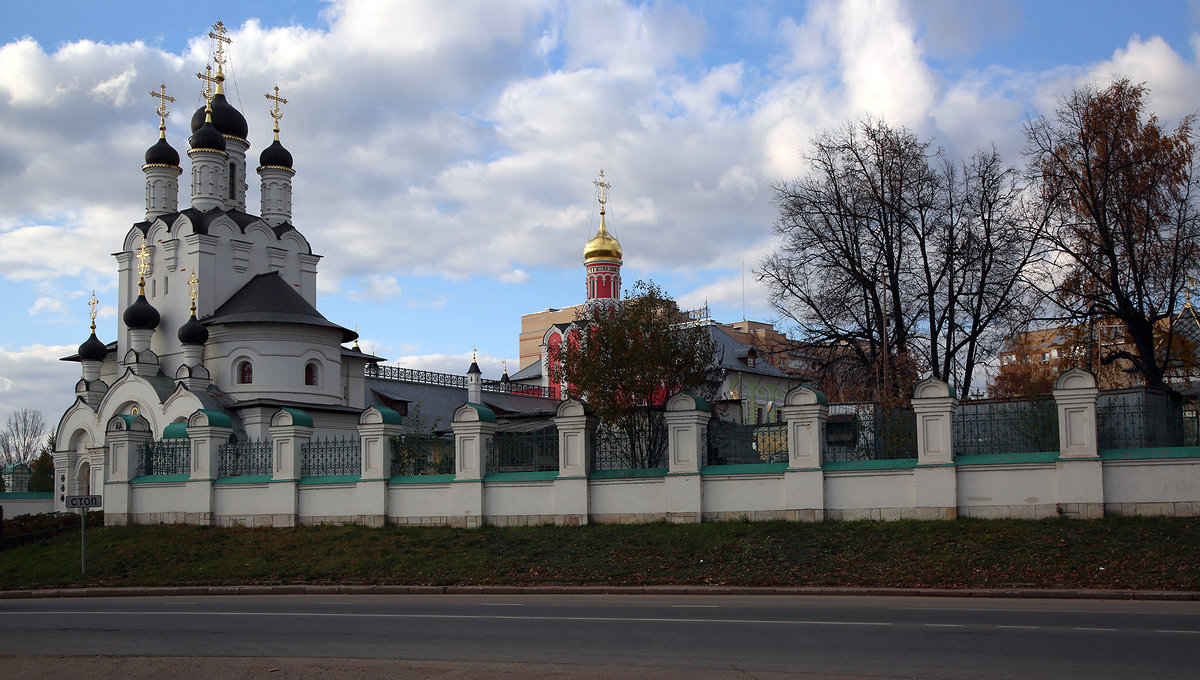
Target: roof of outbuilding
437	403
267	298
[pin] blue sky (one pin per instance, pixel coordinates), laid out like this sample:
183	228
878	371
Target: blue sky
445	151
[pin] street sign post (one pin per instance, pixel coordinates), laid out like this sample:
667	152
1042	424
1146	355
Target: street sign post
83	503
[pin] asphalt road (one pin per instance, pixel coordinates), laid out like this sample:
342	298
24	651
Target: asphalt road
647	635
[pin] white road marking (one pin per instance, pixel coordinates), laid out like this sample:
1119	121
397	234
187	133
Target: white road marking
694	606
594	619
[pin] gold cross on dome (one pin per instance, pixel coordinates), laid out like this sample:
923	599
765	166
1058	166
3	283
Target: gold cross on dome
220	40
162	98
209	80
143	258
603	187
192	289
92	303
275	112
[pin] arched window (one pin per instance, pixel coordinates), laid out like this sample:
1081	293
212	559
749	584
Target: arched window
245	373
311	373
758	416
232	180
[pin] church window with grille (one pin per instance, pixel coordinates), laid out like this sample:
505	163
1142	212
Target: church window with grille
245	373
311	373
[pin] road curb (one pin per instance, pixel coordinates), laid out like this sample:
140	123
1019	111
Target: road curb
176	591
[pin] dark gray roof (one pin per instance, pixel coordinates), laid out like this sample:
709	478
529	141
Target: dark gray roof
732	353
437	403
531	371
267	298
202	219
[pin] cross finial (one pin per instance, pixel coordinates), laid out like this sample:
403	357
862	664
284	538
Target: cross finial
92	303
474	353
162	109
504	363
275	112
603	188
208	79
220	40
143	266
192	289
356	337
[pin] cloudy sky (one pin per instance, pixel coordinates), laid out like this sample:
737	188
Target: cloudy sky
445	151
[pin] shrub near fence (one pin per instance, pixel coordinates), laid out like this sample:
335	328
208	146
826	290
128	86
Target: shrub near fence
422	454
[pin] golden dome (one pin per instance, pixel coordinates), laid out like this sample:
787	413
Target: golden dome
602	245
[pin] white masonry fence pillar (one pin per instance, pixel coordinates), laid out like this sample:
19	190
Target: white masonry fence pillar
290	430
376	428
805	410
935	479
576	429
1079	472
207	431
124	435
474	426
687	419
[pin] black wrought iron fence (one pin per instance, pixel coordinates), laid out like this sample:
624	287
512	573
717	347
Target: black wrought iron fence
1005	427
165	457
535	451
870	432
332	456
249	457
422	454
736	444
618	449
1142	420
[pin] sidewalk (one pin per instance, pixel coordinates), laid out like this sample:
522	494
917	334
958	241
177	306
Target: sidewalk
166	591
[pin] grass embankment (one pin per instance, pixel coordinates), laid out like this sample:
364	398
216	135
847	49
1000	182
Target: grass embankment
1153	553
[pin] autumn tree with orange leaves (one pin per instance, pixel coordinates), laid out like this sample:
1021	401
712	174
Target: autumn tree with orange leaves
1118	193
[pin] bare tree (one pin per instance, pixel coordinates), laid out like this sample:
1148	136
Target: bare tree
23	436
1120	194
907	258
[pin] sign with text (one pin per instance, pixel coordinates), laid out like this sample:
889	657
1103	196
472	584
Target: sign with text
84	501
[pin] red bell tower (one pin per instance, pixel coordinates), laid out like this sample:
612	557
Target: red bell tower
602	257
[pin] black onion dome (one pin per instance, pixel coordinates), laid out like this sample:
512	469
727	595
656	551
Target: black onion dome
207	137
228	120
275	155
193	332
162	153
141	314
92	349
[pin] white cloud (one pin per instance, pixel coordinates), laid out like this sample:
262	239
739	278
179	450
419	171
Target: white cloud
1171	78
376	287
33	377
45	305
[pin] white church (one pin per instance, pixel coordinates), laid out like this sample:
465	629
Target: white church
217	306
